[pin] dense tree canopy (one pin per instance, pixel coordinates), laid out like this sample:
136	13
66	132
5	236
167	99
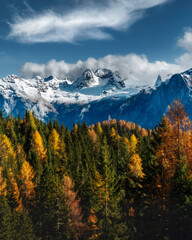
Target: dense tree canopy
111	180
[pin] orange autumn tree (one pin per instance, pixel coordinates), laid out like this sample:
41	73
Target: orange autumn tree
181	125
3	184
175	138
15	192
38	147
75	212
93	135
174	149
93	228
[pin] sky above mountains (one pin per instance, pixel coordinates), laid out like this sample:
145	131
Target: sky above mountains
138	38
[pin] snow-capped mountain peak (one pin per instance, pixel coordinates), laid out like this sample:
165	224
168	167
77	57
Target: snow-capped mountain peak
101	77
103	73
87	79
94	95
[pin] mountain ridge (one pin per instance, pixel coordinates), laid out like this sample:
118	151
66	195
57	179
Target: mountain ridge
94	96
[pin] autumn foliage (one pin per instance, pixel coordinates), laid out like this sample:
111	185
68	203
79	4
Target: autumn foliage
27	185
108	181
38	146
75	212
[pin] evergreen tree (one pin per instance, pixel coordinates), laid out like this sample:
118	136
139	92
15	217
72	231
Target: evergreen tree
7	230
51	213
108	209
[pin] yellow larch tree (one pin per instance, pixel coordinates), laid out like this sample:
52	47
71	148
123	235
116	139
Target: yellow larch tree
113	132
57	144
27	185
7	152
54	140
38	147
133	143
100	130
136	166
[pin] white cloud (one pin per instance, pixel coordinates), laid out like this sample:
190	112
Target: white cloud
81	22
186	40
185	60
136	69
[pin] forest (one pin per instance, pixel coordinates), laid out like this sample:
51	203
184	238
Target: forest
112	180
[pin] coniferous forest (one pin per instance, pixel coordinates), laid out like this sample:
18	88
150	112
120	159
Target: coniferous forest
111	180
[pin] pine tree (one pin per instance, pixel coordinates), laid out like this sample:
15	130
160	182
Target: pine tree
30	120
23	226
10	132
7	231
51	214
108	209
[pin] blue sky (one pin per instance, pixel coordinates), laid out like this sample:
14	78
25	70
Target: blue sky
64	37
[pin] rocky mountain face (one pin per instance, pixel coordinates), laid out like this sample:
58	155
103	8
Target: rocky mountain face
104	77
148	106
94	96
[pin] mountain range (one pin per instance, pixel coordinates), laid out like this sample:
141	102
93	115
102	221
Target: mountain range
94	96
